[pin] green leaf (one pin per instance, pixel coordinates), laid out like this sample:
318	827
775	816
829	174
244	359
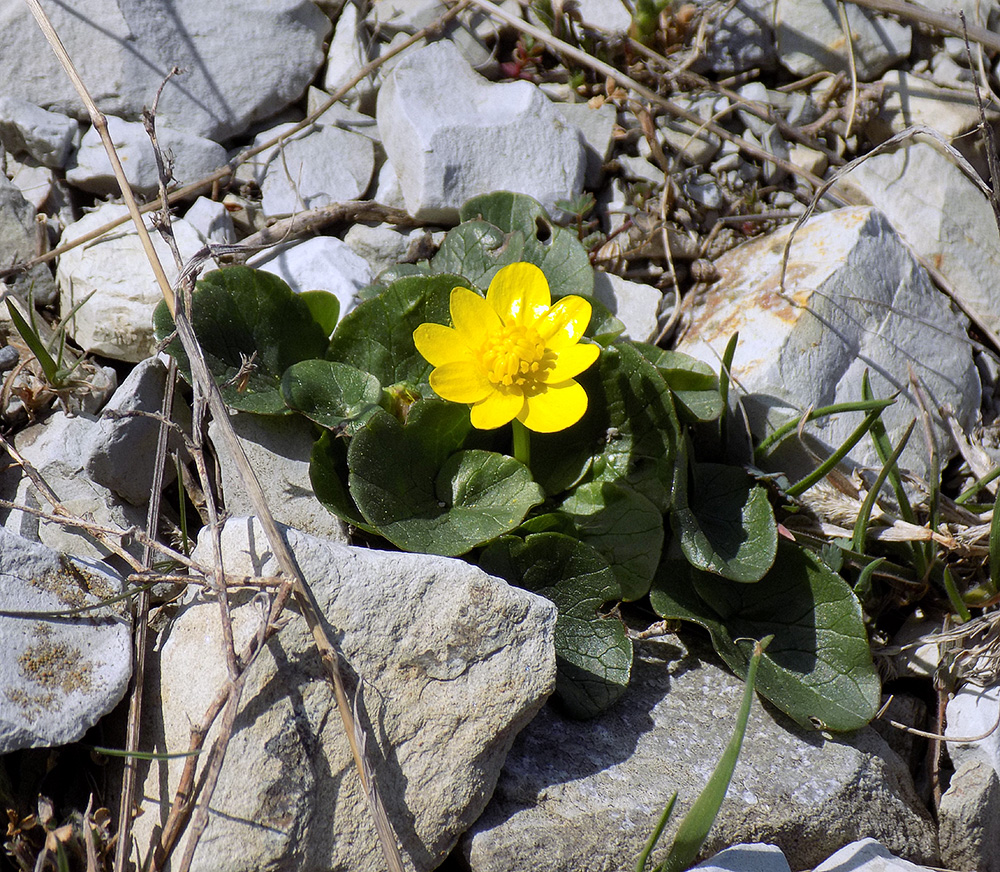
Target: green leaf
34	342
332	394
420	503
503	228
593	651
325	308
377	337
725	522
236	313
624	526
694	385
819	667
328	474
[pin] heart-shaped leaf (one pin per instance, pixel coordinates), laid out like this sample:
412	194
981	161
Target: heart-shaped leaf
332	394
248	322
328	474
819	667
625	527
422	504
593	651
377	337
694	384
725	522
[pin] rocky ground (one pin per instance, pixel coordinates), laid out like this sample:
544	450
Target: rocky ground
682	144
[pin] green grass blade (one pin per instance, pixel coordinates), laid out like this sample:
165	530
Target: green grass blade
863	586
888	465
141	755
34	343
821	471
698	821
995	547
724	370
978	485
954	597
654	837
824	411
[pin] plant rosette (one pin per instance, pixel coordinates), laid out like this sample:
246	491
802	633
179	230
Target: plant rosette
483	405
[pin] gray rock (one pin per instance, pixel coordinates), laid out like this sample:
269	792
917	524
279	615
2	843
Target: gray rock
693	144
972	711
585	796
339	115
609	15
191	158
19	242
596	126
911	100
317	167
58	676
633	303
383	246
25	128
117	320
969	819
278	450
57	448
810	39
324	263
212	220
854	300
640	169
917	188
452	664
120	451
35	182
125	48
451	135
746	858
348	54
743	39
866	855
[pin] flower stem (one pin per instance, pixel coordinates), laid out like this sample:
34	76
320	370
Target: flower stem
522	443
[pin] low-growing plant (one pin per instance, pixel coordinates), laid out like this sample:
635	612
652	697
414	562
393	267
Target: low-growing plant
483	405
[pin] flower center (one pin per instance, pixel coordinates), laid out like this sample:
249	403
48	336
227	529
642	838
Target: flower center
515	355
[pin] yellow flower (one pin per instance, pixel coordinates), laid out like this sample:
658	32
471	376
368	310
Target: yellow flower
512	355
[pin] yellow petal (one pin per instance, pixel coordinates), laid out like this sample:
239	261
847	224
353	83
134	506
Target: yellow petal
565	322
461	382
556	408
519	292
499	408
440	345
473	317
570	362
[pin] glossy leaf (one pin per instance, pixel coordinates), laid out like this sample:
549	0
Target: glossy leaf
332	394
377	337
237	313
725	522
624	526
325	308
819	667
593	651
420	503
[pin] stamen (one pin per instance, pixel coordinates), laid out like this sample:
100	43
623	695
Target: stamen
515	356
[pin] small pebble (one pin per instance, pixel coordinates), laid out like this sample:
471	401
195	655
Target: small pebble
9	357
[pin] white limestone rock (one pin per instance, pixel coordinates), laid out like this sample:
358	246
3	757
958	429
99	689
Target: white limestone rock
57	448
866	855
578	796
125	48
34	181
192	158
596	126
610	15
918	188
348	54
19	242
451	135
323	263
633	303
58	676
811	39
452	664
854	300
48	137
383	246
212	220
117	321
316	167
119	453
969	818
279	450
746	858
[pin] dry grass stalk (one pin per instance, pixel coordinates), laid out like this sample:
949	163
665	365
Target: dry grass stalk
297	584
